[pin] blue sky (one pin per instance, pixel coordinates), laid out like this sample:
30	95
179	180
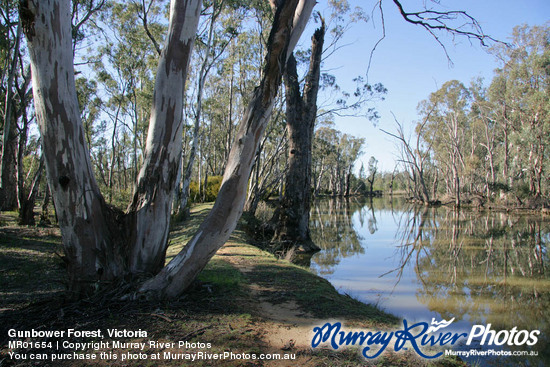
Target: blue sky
411	64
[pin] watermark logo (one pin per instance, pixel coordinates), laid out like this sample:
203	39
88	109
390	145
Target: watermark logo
419	336
439	325
502	337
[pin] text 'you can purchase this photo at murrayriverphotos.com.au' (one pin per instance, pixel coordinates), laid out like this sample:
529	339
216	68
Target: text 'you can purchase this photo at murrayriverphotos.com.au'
60	345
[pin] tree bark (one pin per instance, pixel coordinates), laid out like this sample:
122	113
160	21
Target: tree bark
151	206
301	111
178	275
26	203
348	182
80	206
8	180
100	243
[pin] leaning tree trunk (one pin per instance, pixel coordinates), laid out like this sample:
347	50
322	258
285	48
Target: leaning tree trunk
288	24
301	111
101	244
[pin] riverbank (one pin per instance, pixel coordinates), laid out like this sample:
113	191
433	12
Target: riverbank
246	302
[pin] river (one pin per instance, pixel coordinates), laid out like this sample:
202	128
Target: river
419	263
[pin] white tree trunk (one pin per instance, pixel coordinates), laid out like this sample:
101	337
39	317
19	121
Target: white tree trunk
100	243
80	206
151	206
222	220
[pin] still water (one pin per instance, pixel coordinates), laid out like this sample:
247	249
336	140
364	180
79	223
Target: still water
419	263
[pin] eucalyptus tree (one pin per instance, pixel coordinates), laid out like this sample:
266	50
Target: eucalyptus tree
292	215
122	78
270	163
225	94
350	151
489	140
28	182
10	57
485	113
19	181
102	244
234	68
290	20
334	156
447	131
292	229
521	90
324	156
236	76
414	156
372	170
223	20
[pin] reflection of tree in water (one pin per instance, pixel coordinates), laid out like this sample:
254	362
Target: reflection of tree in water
371	221
484	267
332	230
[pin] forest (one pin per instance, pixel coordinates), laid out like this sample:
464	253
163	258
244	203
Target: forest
117	116
485	143
114	81
115	172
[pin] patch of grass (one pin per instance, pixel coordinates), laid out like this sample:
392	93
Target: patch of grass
282	281
182	232
8	218
30	270
313	294
222	275
222	287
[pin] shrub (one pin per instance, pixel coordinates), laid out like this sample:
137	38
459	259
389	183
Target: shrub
212	188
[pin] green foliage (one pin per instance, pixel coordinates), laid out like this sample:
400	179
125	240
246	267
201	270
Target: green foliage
485	141
213	187
196	193
334	155
522	190
499	186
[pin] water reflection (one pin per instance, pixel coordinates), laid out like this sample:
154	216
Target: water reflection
331	224
419	263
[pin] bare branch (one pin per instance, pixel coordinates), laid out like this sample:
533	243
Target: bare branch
381	38
91	9
432	21
143	16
